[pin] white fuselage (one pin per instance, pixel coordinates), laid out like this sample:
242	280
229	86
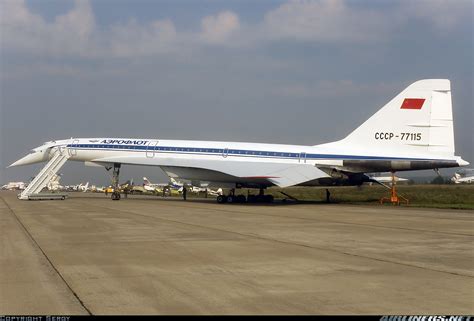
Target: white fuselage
165	154
150	150
222	162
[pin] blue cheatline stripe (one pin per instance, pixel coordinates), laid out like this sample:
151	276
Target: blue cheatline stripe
231	152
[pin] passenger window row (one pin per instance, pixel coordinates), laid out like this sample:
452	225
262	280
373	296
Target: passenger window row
184	149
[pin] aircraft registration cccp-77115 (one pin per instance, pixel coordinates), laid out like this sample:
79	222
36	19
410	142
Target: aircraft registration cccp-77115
414	131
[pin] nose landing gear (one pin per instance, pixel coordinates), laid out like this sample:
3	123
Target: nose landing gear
115	182
115	196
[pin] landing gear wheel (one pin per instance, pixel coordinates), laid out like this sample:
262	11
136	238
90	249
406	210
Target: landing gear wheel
115	182
115	196
221	199
230	199
241	199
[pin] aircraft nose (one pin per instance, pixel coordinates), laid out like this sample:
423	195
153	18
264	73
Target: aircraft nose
29	159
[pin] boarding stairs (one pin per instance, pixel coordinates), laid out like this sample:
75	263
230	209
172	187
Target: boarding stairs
60	156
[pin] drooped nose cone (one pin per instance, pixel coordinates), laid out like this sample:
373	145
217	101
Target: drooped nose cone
36	157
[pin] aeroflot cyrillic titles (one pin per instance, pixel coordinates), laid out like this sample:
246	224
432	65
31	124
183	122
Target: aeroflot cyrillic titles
122	141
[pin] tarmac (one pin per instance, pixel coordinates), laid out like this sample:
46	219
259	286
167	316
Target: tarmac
147	255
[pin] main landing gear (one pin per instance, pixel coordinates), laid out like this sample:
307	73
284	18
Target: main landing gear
232	198
394	198
115	182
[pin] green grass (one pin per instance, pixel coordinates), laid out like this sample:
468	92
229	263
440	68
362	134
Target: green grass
430	196
433	196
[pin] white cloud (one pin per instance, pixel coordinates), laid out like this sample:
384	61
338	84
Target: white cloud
79	23
326	20
336	21
444	15
217	29
134	39
76	33
24	31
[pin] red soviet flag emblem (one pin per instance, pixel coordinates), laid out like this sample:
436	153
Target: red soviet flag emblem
412	103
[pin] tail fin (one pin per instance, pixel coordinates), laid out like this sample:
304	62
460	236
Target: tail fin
418	120
146	181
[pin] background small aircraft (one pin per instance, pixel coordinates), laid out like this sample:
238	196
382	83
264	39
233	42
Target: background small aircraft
14	186
464	177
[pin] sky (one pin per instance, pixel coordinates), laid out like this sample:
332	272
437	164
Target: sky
293	72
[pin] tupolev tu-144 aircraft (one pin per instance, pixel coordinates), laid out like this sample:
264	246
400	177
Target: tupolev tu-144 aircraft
414	131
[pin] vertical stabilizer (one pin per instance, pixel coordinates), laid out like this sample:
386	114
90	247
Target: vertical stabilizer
419	120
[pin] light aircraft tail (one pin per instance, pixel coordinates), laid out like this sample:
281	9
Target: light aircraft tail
146	181
419	120
173	181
